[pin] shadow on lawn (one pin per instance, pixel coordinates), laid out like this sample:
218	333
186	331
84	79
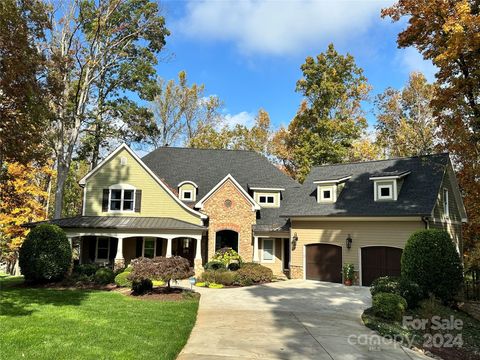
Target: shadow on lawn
19	300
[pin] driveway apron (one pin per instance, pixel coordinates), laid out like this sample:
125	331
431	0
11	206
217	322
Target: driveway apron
294	319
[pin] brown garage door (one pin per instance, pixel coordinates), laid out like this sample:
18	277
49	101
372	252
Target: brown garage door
324	262
380	261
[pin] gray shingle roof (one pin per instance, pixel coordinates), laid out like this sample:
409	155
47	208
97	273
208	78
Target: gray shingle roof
416	198
122	222
206	167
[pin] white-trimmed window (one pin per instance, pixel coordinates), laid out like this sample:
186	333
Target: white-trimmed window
327	193
149	247
102	249
121	198
268	250
187	195
445	202
266	199
385	192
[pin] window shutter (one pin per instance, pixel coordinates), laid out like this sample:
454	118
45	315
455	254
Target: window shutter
106	194
138	200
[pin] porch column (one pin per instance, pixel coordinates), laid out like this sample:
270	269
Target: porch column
169	248
198	266
119	259
70	241
255	249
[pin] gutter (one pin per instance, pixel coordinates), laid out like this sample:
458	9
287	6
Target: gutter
426	220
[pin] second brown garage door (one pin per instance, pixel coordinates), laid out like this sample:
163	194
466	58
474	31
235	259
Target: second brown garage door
380	261
324	262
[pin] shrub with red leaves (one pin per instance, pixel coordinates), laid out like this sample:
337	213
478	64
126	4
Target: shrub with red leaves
161	268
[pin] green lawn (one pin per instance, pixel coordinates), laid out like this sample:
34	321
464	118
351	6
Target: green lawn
39	323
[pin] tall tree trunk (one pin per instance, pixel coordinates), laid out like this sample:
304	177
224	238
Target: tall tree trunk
62	173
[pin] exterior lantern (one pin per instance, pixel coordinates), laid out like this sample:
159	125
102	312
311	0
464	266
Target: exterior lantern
349	241
294	241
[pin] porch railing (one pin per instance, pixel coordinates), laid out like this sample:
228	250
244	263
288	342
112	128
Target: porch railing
471	285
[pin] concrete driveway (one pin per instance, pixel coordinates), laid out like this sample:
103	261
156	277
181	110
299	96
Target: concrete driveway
293	319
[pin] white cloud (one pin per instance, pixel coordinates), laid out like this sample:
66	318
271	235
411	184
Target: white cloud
411	60
278	27
242	118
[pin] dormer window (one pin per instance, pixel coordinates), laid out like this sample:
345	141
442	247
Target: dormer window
267	197
385	192
328	190
186	195
263	199
386	186
187	191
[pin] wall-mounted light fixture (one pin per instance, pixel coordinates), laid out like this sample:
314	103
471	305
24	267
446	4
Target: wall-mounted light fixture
349	241
294	241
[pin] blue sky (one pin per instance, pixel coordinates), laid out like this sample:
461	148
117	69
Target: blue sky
249	52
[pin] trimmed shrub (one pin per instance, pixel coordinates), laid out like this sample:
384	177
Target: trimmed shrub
223	277
227	256
214	265
104	276
45	255
122	279
412	292
233	266
389	306
407	289
141	287
161	268
86	269
431	260
215	286
252	273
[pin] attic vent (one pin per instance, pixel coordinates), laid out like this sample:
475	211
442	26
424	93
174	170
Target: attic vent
123	161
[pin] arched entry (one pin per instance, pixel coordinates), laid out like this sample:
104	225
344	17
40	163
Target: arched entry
226	238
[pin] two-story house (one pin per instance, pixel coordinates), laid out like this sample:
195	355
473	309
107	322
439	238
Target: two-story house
192	202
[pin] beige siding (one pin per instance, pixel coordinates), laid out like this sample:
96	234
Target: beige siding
155	200
363	233
276	266
439	211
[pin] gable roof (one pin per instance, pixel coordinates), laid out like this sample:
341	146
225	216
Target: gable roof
200	203
162	184
417	196
207	167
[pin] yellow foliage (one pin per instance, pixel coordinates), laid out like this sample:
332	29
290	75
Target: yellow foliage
22	191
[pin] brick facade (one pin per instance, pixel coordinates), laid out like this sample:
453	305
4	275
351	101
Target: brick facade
239	217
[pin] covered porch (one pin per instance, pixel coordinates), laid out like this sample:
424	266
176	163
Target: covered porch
115	241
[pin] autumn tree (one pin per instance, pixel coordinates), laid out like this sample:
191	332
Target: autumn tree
446	33
22	200
181	112
330	117
364	149
240	137
114	40
405	122
23	109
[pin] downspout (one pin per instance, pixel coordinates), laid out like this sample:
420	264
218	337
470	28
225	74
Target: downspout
426	221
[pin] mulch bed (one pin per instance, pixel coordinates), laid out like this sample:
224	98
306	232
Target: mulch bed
453	353
165	294
67	286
